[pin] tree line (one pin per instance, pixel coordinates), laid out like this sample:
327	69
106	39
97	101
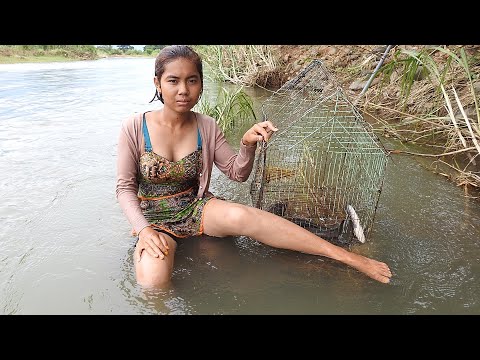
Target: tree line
129	49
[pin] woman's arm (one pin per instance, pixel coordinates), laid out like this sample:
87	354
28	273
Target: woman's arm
127	186
238	166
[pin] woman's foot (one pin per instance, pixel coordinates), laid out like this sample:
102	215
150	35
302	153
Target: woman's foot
375	269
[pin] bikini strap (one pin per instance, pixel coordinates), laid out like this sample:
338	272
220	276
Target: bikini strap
199	140
146	135
199	137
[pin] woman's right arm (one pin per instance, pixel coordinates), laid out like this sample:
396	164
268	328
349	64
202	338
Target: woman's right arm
127	189
127	186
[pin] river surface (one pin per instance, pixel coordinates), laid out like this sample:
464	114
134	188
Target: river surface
66	248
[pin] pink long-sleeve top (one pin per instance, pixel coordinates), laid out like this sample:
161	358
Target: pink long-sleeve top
215	150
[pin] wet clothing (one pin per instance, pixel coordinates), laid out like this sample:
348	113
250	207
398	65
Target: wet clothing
167	190
170	195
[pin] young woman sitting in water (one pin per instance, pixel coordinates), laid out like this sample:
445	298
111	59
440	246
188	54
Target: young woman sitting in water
165	160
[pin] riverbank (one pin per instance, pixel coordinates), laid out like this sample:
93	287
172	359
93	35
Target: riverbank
54	53
426	97
45	58
46	53
33	59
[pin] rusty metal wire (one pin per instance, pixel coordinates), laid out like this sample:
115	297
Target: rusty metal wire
323	158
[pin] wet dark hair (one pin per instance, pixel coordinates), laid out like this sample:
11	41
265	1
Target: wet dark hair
170	53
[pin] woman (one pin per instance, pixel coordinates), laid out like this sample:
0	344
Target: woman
165	160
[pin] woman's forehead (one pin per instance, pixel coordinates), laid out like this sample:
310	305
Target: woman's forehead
181	67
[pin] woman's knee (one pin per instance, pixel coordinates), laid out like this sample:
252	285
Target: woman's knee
155	272
238	216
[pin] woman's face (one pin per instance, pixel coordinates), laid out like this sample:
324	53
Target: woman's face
180	85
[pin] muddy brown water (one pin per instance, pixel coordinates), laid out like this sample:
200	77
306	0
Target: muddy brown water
66	248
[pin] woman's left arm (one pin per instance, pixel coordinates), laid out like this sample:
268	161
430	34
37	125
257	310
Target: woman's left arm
258	132
238	165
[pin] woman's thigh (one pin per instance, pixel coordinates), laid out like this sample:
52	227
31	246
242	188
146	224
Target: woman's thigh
223	218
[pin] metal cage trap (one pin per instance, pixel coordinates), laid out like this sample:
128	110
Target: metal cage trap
324	168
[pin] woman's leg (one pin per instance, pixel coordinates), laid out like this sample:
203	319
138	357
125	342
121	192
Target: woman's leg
155	272
222	218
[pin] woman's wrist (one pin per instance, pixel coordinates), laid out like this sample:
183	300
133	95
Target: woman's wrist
244	143
146	227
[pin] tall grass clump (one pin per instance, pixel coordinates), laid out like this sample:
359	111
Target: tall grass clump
441	83
246	65
231	109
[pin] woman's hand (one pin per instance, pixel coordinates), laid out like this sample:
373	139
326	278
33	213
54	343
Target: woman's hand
152	242
258	132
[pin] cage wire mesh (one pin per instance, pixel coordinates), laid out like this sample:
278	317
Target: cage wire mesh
324	168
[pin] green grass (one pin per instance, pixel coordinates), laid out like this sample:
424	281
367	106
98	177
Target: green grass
231	109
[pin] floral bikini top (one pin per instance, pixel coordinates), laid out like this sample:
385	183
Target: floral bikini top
160	177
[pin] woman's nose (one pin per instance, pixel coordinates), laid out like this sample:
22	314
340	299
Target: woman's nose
183	88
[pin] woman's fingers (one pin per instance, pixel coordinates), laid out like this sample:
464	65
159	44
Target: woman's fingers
265	129
258	132
138	252
158	247
268	125
155	253
164	243
155	245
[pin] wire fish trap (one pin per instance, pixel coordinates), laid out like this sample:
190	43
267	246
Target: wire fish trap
324	169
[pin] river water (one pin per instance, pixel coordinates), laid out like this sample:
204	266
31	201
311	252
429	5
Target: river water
65	246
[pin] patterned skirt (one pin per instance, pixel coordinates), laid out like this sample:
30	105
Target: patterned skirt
180	214
168	193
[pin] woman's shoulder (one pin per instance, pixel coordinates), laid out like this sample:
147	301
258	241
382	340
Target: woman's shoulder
206	121
132	120
132	124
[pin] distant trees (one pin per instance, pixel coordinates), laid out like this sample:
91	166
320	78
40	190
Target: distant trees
125	48
106	48
113	50
150	49
129	49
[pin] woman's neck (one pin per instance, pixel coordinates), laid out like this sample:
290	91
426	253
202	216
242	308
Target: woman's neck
173	119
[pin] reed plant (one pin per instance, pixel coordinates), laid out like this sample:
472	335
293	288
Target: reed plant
444	93
231	109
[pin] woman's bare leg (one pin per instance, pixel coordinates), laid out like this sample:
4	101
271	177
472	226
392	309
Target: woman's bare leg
154	272
222	218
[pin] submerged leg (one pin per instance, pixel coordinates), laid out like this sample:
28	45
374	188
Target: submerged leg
222	218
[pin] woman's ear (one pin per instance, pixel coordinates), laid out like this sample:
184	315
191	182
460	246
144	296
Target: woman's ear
157	85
